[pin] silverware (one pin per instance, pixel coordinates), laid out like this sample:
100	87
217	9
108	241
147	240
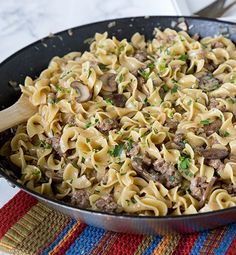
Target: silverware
215	9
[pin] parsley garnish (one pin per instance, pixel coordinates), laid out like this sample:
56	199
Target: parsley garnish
82	160
174	81
108	101
103	67
53	101
231	100
89	73
183	57
162	67
121	78
44	144
120	48
184	162
205	122
87	140
151	65
128	202
133	200
88	125
189	102
165	87
116	152
225	134
174	89
171	178
145	74
130	144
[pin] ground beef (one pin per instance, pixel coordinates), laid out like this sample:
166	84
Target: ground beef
107	204
143	170
172	125
212	127
118	100
140	55
134	151
213	153
231	189
217	164
207	82
213	103
55	142
169	173
107	124
80	198
198	187
179	141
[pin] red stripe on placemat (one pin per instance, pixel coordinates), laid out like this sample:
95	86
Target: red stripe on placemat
15	209
126	244
232	248
185	244
68	240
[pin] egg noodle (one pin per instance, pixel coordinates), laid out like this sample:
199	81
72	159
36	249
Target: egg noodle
139	127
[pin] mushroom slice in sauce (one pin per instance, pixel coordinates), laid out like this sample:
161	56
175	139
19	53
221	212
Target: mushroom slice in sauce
109	83
83	90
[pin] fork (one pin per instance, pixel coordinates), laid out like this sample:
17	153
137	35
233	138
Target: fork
215	9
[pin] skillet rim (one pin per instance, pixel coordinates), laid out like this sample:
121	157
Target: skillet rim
89	211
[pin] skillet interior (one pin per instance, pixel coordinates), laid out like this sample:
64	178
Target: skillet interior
35	57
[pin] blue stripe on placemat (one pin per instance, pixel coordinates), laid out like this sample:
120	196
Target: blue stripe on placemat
227	240
86	241
199	243
156	240
60	237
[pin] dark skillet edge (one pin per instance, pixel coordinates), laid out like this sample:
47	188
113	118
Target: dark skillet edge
61	203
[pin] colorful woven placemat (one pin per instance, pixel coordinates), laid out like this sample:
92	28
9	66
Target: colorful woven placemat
29	227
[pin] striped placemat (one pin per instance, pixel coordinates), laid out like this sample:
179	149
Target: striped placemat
29	227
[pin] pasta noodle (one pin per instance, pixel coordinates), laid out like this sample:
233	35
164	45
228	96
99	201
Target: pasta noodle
139	127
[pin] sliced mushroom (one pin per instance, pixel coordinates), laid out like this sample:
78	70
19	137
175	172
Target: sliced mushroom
83	90
214	153
109	83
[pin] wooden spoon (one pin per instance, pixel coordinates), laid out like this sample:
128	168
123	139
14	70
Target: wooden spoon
17	113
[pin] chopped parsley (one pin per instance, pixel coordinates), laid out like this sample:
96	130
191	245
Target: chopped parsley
189	102
165	87
171	178
231	100
226	134
162	67
82	160
174	89
204	46
183	57
120	49
53	101
205	122
87	140
145	100
184	162
151	65
144	73
116	152
233	79
130	144
121	78
44	144
108	101
88	125
133	200
89	73
128	202
174	81
103	67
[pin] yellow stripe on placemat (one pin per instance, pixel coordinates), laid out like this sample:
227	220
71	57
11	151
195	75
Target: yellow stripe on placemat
144	244
16	234
167	245
43	234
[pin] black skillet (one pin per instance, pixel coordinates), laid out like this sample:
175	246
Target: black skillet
35	57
